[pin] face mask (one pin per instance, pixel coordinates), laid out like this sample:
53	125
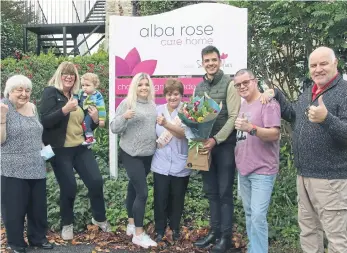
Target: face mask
47	152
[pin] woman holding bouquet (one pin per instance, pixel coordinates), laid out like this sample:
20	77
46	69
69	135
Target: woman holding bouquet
169	161
135	121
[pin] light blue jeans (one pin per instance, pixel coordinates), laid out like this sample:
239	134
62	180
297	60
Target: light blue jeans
255	191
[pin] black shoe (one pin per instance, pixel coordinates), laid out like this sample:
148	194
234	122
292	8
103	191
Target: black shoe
206	241
223	245
176	235
45	245
159	237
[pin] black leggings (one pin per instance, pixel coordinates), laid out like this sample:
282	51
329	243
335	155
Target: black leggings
137	168
82	160
20	197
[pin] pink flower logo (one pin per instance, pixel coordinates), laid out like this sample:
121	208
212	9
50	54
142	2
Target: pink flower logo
132	64
224	56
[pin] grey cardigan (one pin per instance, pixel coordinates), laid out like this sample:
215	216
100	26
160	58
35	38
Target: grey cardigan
320	150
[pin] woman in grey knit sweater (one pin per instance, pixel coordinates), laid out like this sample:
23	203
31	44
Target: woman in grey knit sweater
135	122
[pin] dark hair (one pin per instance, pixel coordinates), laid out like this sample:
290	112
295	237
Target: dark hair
244	71
173	84
209	50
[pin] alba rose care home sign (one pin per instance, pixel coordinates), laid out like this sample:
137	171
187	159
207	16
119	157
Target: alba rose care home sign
170	44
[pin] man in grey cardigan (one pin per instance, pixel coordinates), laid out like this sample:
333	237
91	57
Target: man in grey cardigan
319	120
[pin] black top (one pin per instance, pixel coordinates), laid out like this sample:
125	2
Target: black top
320	150
52	117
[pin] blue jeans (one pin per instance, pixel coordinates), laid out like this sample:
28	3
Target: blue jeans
255	191
88	121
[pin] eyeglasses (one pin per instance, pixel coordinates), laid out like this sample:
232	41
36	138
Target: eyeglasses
244	83
67	74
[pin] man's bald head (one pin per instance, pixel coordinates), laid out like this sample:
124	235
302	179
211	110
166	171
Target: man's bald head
324	50
323	65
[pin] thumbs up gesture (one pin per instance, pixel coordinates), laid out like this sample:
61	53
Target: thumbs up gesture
161	120
70	106
317	114
242	124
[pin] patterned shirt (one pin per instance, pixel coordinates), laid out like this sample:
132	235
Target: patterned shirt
21	152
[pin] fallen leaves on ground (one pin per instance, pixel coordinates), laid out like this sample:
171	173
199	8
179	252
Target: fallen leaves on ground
109	242
3	239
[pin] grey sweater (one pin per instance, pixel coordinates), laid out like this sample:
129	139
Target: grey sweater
137	135
320	150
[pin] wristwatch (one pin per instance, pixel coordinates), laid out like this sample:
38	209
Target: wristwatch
253	131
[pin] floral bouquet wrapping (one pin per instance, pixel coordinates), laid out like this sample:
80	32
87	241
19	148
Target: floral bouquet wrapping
198	116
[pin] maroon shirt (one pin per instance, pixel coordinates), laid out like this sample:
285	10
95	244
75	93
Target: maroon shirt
253	155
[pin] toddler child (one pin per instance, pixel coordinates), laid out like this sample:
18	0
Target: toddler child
90	96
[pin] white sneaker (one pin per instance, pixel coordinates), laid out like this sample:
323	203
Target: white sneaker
67	232
105	226
144	241
130	229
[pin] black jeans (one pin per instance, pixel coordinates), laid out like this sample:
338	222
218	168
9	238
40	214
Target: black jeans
169	193
20	197
137	168
218	186
82	160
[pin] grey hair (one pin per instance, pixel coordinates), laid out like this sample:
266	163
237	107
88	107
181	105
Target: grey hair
17	81
245	71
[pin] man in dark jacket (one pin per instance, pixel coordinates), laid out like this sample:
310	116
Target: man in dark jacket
319	120
218	181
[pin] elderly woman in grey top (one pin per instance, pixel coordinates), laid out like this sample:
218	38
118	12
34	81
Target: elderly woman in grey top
169	163
23	172
135	121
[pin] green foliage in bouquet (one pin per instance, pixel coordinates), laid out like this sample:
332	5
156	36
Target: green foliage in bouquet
197	112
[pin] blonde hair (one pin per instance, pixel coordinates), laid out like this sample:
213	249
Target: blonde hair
132	92
15	82
91	77
65	68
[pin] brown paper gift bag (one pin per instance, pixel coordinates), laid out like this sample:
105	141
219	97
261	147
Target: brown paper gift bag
198	161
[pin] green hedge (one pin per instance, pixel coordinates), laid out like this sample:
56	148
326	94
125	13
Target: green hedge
283	210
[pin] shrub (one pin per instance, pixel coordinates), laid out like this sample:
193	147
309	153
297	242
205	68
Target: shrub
282	215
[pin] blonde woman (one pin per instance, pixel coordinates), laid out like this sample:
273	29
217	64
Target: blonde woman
135	121
62	122
23	172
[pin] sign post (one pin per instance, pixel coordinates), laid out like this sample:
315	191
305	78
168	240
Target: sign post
170	44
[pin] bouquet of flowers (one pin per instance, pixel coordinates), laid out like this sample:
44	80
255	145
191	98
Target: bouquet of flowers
198	116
